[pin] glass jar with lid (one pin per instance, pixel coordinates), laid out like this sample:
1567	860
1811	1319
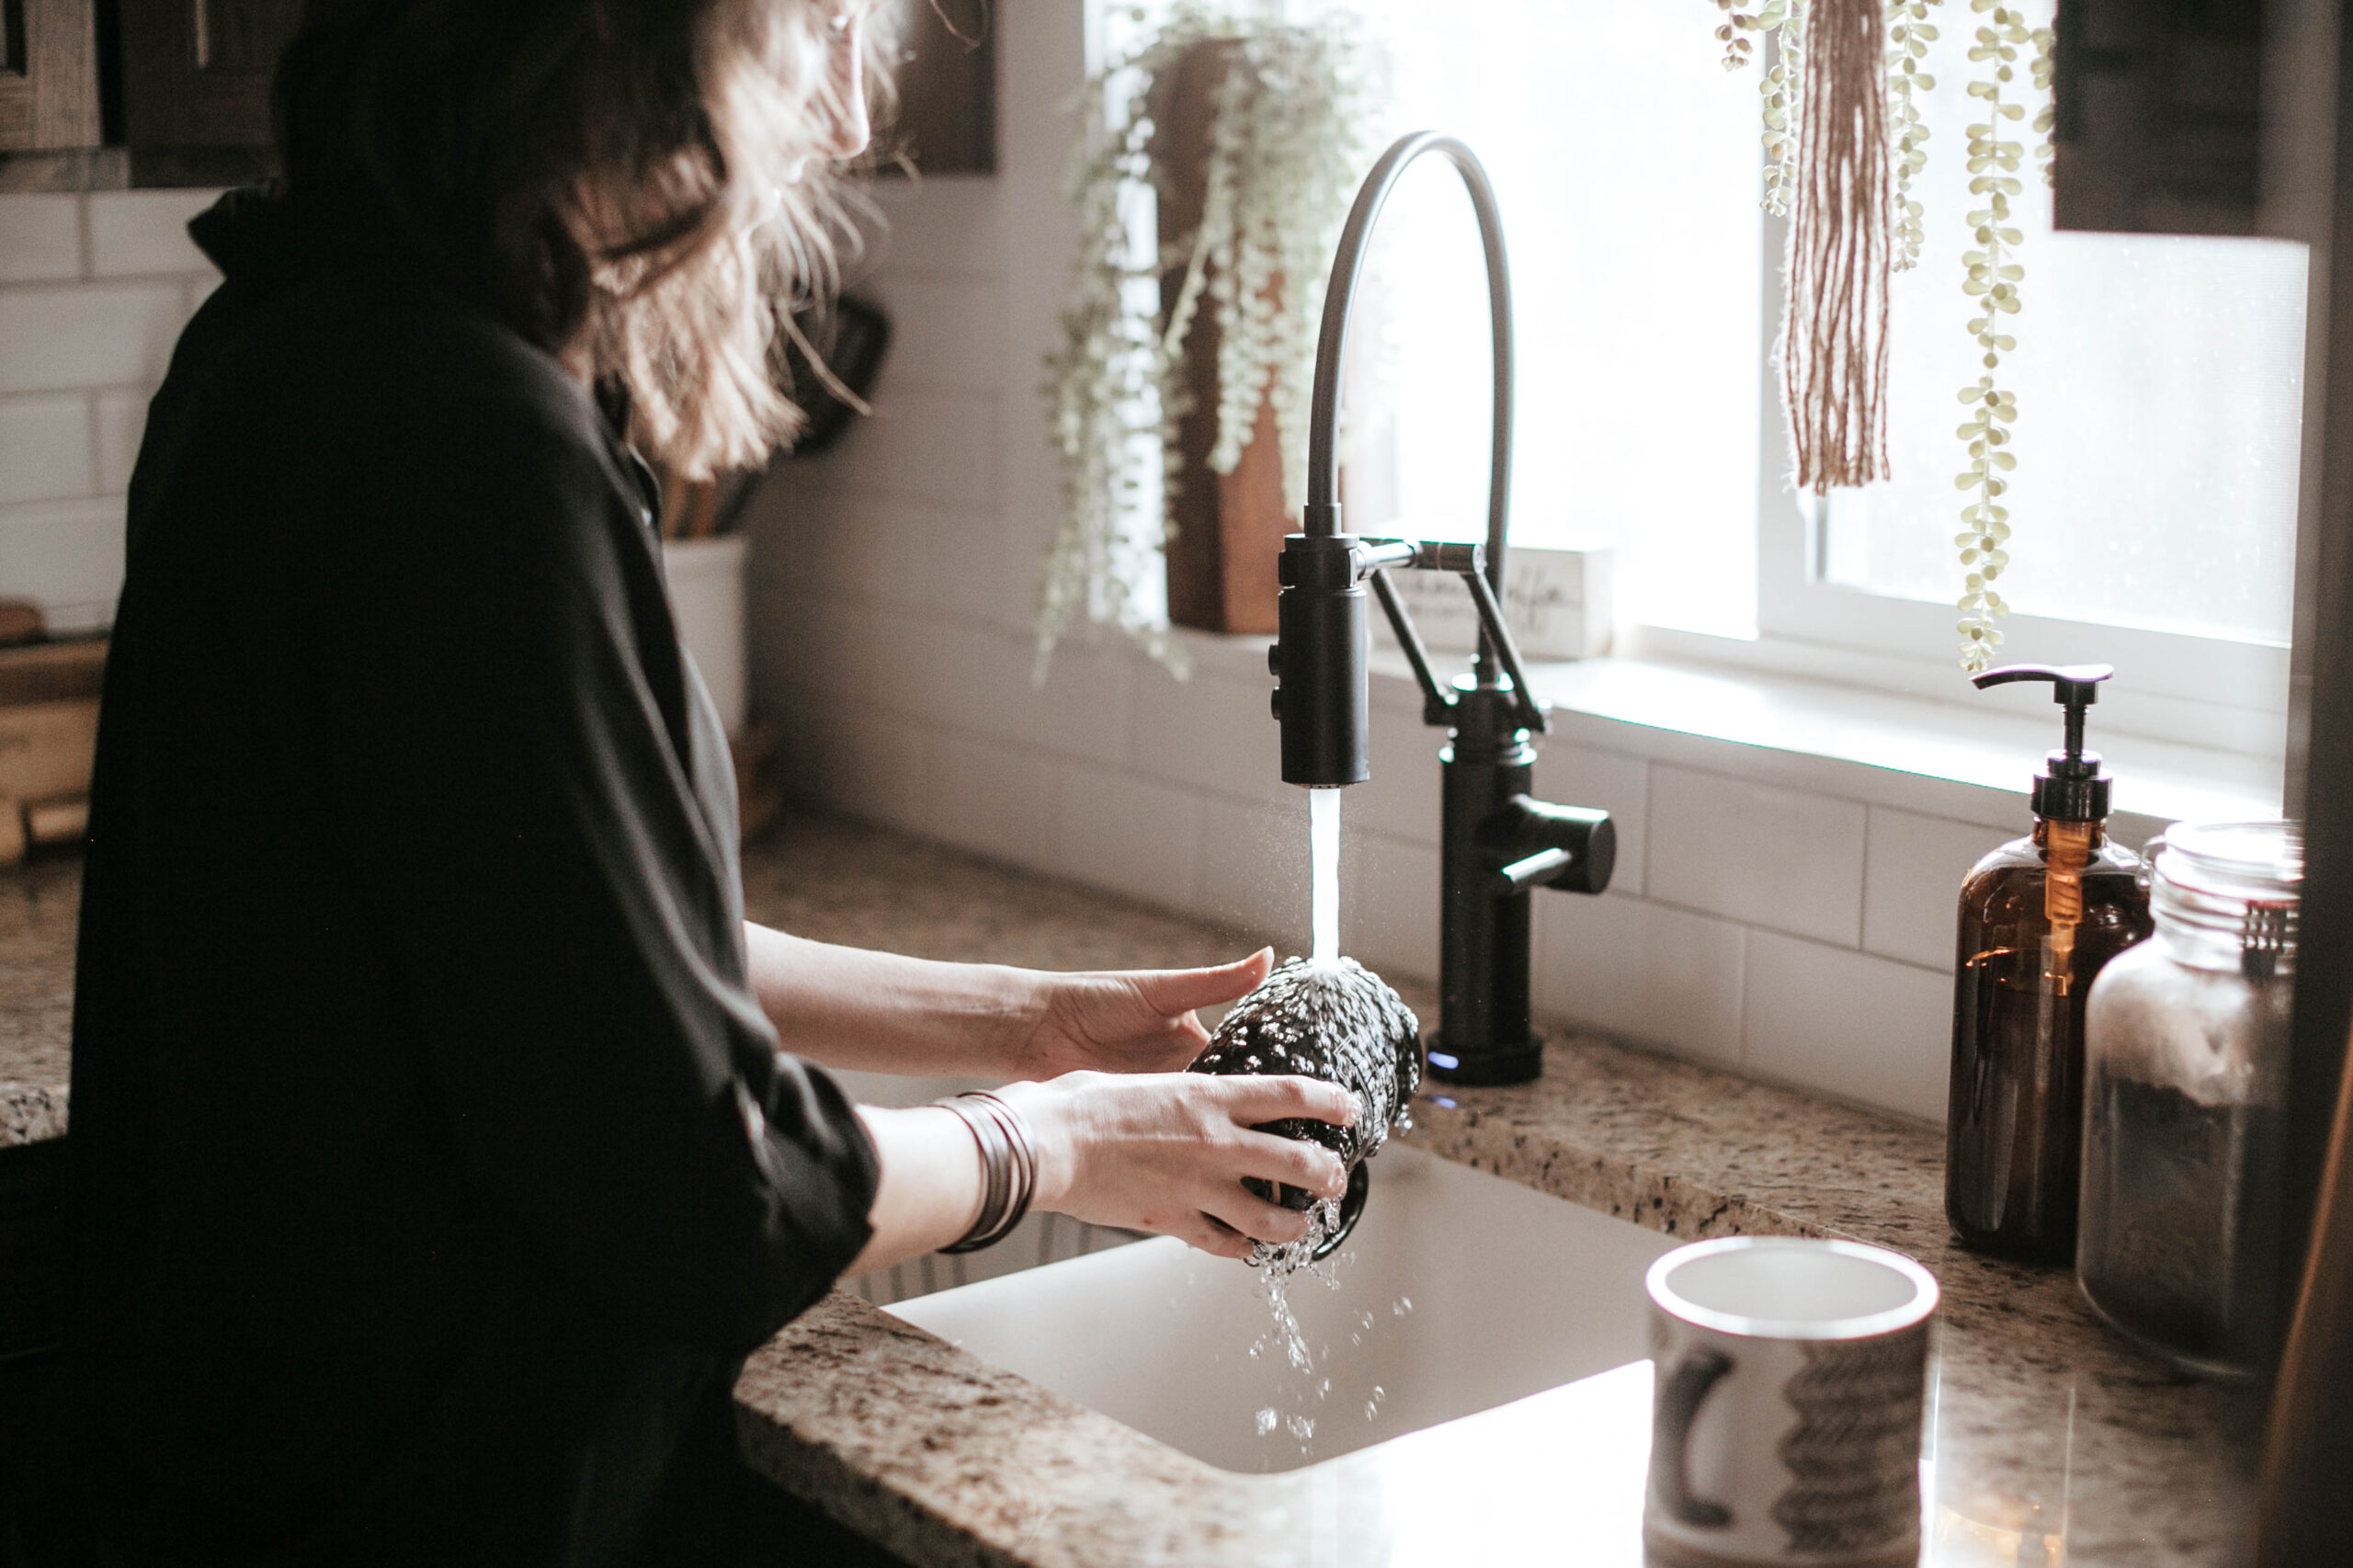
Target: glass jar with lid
2185	1100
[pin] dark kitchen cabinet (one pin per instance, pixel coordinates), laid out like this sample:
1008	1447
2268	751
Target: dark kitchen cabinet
947	88
33	1263
49	75
195	78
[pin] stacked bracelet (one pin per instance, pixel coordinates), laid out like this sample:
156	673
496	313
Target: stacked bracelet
1009	1167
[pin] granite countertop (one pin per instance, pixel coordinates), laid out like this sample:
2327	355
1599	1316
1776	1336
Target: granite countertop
40	902
2043	1423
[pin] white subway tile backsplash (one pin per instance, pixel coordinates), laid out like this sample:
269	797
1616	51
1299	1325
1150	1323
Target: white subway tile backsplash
1211	732
1128	834
1642	972
1082	709
1388	903
994	800
1912	884
1757	854
1250	871
948	333
1581	775
135	232
1848	1024
1402	797
866	766
945	224
54	338
939	448
121	423
40	238
67	555
905	663
45	450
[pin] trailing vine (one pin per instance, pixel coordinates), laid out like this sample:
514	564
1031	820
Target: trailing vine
1783	21
1909	33
1993	279
1286	137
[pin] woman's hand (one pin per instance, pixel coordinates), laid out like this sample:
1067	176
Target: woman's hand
1141	1020
1168	1152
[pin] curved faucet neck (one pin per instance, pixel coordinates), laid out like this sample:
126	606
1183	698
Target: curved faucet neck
1322	510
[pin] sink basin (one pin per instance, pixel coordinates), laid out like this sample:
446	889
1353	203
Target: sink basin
1460	1291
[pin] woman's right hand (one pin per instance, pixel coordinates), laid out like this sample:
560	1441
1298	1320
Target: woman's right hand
1167	1151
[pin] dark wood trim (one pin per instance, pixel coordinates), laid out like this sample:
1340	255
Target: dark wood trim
51	98
1226	530
945	121
2302	1519
181	90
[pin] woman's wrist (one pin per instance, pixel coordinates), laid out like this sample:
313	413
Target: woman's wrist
1040	1106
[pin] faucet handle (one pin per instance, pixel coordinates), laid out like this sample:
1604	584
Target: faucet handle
1535	844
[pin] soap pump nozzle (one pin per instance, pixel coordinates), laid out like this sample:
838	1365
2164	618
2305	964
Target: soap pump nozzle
2071	787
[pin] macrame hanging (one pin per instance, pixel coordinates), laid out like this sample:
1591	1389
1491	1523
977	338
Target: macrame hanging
1834	320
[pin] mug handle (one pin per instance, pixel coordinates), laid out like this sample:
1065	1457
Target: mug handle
1679	1394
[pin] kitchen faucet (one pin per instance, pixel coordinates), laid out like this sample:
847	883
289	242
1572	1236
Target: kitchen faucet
1499	842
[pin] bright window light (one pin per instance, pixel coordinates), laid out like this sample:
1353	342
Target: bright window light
1626	163
2159	382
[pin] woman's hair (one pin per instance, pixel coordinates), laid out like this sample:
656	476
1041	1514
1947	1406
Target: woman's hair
638	186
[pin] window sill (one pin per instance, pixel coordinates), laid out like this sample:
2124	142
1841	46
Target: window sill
1945	759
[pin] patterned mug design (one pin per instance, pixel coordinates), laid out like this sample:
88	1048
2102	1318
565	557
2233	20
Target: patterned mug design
1786	1416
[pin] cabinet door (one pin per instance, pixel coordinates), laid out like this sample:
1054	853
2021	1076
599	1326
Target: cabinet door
196	73
48	75
946	79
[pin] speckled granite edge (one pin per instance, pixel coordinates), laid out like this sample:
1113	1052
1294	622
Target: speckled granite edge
2044	1411
31	1112
947	1459
2043	1416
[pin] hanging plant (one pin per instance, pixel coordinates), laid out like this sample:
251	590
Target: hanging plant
1781	23
1909	33
1820	171
1285	144
1993	279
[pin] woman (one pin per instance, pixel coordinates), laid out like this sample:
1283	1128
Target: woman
443	1136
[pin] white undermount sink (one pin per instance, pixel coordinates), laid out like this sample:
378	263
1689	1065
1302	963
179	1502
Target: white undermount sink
1459	1291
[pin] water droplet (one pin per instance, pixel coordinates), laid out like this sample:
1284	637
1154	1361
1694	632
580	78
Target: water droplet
1300	1427
1266	1421
1401	1306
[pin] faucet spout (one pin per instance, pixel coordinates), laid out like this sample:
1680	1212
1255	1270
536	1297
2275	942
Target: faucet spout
1498	841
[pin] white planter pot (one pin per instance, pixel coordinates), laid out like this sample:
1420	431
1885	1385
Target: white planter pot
707	598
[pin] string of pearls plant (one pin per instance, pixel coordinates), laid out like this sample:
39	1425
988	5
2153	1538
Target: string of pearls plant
1285	146
1993	279
1909	33
1782	22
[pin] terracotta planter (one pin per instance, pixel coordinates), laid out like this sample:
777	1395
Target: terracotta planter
1227	528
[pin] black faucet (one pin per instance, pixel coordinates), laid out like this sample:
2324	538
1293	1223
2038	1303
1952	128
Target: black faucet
1499	842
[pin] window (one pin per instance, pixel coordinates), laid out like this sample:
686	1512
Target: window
2159	382
1626	168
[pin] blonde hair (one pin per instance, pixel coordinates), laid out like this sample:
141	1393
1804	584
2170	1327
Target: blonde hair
641	187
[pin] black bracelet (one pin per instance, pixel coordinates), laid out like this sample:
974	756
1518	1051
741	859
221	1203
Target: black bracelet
1008	1166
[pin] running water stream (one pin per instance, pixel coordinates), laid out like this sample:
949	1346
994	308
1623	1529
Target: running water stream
1324	857
1329	1017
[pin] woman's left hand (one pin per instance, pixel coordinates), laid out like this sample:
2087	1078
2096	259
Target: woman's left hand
1141	1020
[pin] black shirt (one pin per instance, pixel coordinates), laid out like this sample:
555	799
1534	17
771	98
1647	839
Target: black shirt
431	1155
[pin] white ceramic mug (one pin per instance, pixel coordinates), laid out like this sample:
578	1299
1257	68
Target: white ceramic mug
1786	1417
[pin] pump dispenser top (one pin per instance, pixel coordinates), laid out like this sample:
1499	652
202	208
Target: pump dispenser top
2071	787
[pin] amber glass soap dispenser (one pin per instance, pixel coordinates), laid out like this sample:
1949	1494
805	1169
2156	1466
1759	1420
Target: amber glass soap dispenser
2039	916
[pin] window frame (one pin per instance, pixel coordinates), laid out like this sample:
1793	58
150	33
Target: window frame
2215	693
